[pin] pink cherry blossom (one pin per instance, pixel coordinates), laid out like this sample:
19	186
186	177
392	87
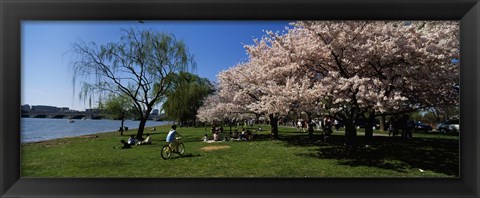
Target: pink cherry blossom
343	68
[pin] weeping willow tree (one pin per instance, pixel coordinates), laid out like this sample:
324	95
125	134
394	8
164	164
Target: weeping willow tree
140	66
185	97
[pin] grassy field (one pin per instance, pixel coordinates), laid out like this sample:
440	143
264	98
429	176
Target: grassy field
426	155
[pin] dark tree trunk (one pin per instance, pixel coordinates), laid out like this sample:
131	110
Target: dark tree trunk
141	127
143	121
310	134
350	135
310	128
122	126
369	128
369	132
382	123
274	125
403	126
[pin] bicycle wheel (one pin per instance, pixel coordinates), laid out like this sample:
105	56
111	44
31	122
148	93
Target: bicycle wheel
180	149
166	152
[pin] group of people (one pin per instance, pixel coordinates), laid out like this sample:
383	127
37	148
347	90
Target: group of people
246	123
325	124
403	123
301	125
245	135
217	132
134	141
218	135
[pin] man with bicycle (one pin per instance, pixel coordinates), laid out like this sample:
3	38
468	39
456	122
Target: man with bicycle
171	137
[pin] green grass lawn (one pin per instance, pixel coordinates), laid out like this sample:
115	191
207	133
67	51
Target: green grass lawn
426	155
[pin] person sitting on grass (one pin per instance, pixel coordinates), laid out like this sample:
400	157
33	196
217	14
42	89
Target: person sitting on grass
125	145
146	140
205	138
216	137
243	135
213	130
171	137
131	140
249	135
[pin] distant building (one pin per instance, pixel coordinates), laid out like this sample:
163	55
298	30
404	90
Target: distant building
92	110
45	109
64	109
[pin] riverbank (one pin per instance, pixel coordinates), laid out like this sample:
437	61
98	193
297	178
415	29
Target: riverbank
291	156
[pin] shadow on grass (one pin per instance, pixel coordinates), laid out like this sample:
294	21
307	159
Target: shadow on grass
429	134
437	155
185	156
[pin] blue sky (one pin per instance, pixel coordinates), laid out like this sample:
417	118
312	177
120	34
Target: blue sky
46	58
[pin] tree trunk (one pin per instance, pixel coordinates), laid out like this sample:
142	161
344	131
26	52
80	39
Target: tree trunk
274	125
369	132
310	128
382	123
350	135
310	134
403	126
143	121
122	128
141	127
369	128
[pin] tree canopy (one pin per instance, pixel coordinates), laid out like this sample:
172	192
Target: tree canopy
186	96
117	108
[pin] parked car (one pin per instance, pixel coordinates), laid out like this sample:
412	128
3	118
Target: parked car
450	126
419	126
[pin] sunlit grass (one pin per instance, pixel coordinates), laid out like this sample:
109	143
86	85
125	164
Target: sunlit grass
427	155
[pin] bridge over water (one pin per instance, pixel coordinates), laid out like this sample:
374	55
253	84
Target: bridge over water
70	115
75	115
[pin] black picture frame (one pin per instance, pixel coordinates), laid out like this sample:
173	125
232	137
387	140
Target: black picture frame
12	12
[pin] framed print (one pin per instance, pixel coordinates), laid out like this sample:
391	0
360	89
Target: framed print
99	118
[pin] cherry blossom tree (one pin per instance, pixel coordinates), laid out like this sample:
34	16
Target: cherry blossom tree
227	104
348	69
217	109
270	83
380	67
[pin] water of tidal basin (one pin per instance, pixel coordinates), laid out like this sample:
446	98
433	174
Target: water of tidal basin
40	129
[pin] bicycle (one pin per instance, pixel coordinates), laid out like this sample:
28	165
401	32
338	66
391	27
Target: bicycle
167	150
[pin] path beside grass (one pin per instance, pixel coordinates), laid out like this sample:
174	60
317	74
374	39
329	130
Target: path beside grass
292	156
